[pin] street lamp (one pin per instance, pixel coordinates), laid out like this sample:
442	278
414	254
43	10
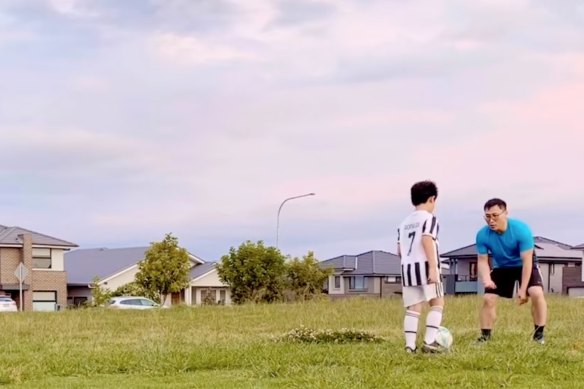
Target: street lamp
279	209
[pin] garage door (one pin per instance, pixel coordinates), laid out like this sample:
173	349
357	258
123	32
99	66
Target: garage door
44	301
576	292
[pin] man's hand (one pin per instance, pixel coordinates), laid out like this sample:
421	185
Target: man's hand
432	276
489	284
522	296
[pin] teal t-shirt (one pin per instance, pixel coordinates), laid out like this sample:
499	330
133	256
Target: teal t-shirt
505	248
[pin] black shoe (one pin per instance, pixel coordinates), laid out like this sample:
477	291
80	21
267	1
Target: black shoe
539	339
432	348
483	338
410	350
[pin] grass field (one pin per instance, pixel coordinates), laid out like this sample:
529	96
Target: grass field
229	347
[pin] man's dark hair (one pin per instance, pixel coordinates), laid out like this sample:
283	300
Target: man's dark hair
422	191
495	202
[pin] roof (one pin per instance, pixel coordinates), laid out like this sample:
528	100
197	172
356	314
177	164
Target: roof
579	247
374	262
10	236
201	270
544	248
84	264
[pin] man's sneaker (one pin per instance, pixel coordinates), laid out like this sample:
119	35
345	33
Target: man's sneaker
432	348
410	350
539	340
483	339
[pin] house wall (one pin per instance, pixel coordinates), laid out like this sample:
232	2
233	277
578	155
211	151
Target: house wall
210	279
331	286
120	279
572	277
74	292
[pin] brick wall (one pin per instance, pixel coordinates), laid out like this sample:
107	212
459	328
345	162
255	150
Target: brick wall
36	280
49	280
571	277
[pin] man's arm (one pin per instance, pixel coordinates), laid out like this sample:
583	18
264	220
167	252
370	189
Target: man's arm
526	245
483	262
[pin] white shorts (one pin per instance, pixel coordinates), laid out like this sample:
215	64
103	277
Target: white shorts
413	295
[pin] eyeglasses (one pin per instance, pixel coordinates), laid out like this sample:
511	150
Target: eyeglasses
493	216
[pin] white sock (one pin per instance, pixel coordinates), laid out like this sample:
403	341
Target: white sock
433	321
411	328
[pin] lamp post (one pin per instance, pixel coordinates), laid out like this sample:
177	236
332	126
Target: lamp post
280	209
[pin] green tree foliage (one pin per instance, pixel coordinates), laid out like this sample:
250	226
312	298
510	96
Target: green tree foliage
306	278
165	269
254	272
99	295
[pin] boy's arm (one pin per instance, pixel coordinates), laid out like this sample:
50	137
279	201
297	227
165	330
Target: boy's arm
429	236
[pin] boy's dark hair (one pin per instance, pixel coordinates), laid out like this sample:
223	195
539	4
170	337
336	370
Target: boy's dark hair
422	191
495	202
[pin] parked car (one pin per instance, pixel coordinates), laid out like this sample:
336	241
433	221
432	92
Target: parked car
7	304
132	302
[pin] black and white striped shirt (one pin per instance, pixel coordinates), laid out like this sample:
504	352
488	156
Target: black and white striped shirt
414	262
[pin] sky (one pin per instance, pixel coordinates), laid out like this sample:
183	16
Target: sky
121	121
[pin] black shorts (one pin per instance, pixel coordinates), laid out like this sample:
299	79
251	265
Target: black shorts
505	278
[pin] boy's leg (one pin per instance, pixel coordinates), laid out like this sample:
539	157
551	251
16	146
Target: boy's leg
412	298
433	319
411	320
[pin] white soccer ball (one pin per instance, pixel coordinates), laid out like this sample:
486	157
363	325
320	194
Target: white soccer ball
444	337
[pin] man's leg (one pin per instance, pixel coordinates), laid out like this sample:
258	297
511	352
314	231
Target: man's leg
538	311
488	315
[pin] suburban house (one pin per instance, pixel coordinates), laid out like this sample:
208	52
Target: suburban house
373	274
554	258
573	277
118	267
38	259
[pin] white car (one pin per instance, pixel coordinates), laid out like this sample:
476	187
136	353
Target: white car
132	302
7	304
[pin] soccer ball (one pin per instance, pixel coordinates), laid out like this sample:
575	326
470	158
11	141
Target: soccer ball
444	337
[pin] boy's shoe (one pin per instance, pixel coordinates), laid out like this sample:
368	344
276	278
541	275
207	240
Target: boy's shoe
434	347
483	338
410	350
539	340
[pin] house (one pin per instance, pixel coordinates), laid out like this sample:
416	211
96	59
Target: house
118	267
44	285
374	274
553	257
573	277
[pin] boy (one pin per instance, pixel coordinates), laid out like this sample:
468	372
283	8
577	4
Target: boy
417	247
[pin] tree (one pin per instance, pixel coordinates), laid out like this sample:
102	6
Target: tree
306	278
253	272
99	295
165	269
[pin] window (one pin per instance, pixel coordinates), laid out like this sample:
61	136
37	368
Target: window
472	271
222	296
44	301
337	282
357	283
393	280
41	258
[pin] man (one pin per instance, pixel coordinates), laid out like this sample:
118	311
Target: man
511	246
417	247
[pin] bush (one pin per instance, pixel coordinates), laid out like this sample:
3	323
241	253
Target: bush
344	335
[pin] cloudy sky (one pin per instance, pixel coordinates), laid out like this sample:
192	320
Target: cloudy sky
124	120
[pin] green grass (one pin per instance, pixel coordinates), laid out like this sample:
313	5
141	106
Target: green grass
229	347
